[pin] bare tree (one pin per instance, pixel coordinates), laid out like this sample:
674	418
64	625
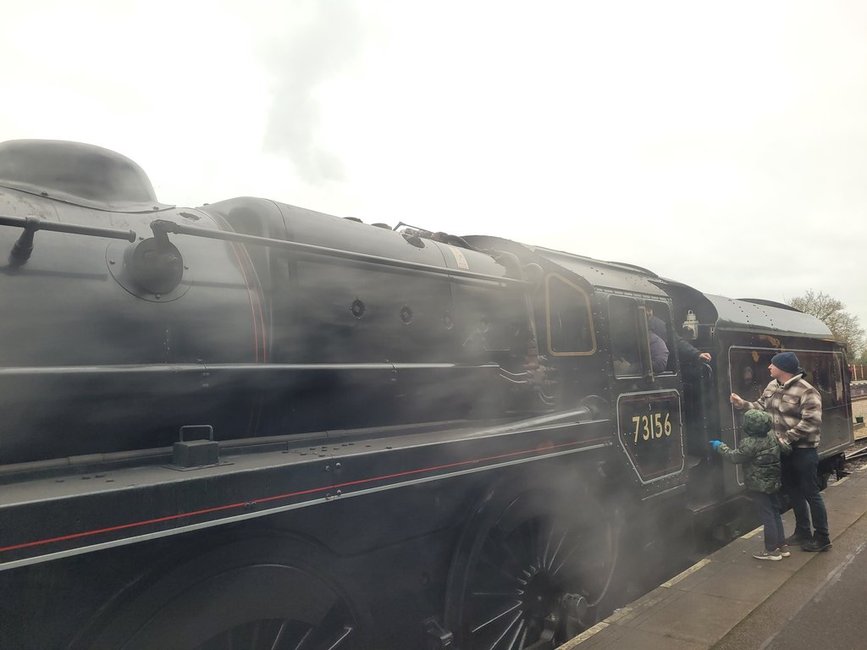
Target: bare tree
844	326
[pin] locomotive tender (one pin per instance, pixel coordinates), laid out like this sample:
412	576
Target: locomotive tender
248	424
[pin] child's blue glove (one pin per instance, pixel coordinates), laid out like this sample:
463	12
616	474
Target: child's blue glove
715	444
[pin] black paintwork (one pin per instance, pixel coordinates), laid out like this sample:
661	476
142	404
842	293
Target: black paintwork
367	389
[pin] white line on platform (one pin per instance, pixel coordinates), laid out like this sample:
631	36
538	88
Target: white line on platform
586	634
836	483
752	533
680	576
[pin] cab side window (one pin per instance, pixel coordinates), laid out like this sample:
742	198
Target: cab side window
749	372
659	324
569	319
625	346
641	337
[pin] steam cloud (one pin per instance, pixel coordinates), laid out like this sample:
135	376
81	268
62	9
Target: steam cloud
316	51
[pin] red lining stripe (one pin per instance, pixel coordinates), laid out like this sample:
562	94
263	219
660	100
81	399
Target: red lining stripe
255	323
277	497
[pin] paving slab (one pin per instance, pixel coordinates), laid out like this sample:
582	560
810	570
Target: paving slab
730	601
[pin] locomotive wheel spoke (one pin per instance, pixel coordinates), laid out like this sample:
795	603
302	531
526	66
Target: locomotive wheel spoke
275	645
513	640
218	602
501	544
330	633
505	631
517	576
282	635
497	617
496	594
495	566
550	563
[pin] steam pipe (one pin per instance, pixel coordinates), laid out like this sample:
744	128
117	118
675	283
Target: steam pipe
161	226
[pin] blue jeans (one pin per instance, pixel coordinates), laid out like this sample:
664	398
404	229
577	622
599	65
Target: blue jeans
768	510
801	483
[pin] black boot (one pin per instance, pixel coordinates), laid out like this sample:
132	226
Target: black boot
798	537
817	544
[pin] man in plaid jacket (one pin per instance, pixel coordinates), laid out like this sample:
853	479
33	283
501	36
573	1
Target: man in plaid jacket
796	409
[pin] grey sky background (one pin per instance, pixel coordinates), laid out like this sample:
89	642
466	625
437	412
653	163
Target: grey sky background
720	144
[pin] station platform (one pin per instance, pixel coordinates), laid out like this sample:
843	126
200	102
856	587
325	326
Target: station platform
731	601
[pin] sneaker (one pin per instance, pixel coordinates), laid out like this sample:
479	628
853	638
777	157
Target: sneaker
774	555
798	538
816	545
784	550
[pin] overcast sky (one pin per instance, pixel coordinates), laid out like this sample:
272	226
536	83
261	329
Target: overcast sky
721	144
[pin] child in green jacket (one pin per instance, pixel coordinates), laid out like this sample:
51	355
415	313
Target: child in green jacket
759	451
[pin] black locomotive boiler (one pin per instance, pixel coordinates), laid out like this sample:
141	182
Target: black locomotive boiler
251	425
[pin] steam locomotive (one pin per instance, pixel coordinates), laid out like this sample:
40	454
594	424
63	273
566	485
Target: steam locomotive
248	424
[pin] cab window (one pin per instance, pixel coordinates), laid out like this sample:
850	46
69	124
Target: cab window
625	347
641	337
659	324
569	320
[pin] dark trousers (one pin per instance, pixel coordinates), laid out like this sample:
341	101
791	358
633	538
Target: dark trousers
768	510
801	483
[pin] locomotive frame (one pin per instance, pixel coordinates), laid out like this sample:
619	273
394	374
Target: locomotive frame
254	422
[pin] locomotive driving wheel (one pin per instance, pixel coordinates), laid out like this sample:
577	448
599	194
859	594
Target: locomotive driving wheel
530	574
238	598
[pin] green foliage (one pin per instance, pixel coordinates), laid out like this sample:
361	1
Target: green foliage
844	326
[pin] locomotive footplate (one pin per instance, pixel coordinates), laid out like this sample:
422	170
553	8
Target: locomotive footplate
52	517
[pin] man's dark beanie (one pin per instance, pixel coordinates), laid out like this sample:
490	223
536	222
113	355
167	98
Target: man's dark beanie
787	362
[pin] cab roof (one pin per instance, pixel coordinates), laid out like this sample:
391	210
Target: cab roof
765	316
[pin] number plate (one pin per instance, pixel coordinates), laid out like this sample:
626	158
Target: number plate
650	431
